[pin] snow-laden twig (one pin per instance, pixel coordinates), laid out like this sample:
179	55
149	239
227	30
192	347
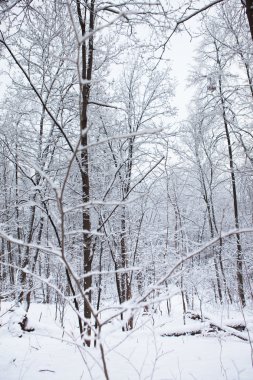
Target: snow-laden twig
123	136
109	272
201	250
3	42
101	203
50	251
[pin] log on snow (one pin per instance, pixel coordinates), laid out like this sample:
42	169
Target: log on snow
207	325
230	327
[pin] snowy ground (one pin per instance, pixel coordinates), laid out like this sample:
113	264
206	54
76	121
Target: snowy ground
48	354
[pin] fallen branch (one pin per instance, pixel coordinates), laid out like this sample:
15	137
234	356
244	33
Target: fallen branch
228	329
237	324
232	327
189	330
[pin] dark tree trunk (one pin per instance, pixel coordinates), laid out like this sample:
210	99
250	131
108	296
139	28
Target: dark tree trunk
87	22
249	12
239	256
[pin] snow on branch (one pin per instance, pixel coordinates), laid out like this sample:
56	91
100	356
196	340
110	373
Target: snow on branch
196	252
123	136
201	250
50	251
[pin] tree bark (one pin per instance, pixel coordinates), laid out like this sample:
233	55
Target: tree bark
249	12
86	21
239	255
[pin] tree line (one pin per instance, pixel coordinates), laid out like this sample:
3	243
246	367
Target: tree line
102	193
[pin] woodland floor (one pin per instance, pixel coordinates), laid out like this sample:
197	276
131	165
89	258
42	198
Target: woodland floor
143	353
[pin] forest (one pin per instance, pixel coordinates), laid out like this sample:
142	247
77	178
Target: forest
126	226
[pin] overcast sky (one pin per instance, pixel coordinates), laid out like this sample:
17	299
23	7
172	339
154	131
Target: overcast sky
182	52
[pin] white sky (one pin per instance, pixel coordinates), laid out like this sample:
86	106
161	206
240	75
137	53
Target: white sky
181	55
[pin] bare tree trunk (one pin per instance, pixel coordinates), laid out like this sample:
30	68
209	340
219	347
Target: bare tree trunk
249	12
126	293
239	257
87	23
210	221
19	236
26	260
8	244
